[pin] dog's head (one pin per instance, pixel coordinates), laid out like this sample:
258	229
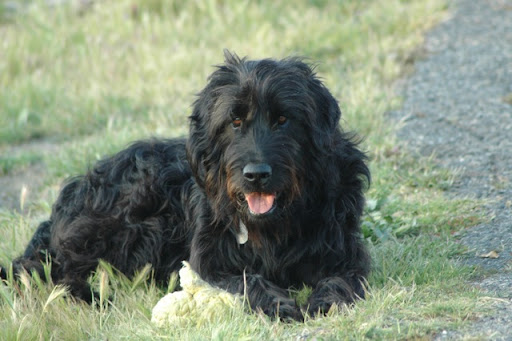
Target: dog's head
258	133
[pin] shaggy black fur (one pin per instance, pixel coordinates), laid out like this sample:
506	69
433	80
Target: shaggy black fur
265	155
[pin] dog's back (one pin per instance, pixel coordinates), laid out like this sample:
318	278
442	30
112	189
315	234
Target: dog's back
127	210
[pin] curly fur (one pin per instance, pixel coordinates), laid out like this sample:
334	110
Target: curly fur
165	201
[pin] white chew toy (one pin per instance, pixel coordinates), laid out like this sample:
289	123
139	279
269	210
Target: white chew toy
197	303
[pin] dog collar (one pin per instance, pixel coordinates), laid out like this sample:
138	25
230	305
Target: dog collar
243	235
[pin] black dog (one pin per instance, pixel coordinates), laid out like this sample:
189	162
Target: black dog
265	195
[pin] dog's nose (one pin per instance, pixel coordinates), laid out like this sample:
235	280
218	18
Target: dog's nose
257	172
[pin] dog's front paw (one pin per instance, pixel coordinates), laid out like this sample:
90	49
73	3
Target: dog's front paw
284	310
318	307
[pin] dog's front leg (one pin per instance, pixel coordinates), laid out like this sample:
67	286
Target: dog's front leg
334	290
262	295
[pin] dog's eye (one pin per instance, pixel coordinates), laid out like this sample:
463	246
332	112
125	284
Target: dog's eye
237	122
282	120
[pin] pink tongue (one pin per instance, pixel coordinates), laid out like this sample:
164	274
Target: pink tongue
260	203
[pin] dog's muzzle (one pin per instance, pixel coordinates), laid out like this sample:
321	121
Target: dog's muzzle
259	201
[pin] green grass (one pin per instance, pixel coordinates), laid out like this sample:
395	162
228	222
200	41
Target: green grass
8	162
92	79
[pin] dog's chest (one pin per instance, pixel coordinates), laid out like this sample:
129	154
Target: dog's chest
273	262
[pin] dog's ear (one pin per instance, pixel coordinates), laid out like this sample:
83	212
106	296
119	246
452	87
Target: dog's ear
201	150
328	113
197	142
329	110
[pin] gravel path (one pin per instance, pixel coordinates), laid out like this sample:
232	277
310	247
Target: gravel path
458	104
